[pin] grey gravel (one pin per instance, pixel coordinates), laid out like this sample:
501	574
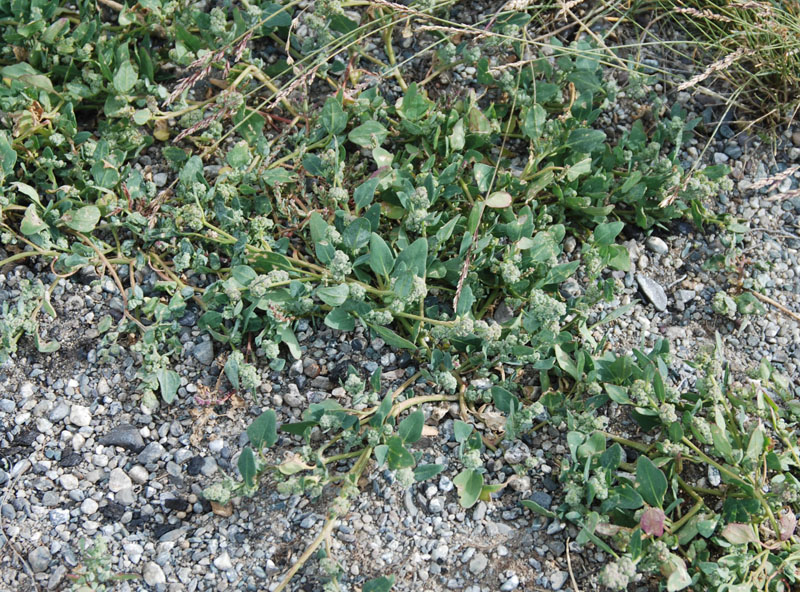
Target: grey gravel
204	352
478	563
39	559
653	291
125	436
657	245
558	579
80	416
153	574
151	453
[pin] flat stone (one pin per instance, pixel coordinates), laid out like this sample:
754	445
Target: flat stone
58	517
223	562
59	412
657	245
39	559
510	584
80	416
293	398
68	482
151	453
89	506
478	563
125	496
125	436
558	579
153	574
139	474
204	352
118	480
652	291
542	498
517	454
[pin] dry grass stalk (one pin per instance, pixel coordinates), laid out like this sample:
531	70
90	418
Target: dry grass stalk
775	180
566	7
717	66
704	14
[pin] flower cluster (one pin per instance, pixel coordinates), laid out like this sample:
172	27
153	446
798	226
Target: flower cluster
618	574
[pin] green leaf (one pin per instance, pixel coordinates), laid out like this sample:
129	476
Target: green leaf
333	295
399	457
469	483
423	472
340	319
239	155
381	260
82	220
8	156
333	117
461	430
533	124
739	534
410	429
26	75
586	140
680	578
538	509
243	274
125	78
288	337
169	381
142	116
381	451
370	134
31	222
499	200
650	481
415	258
363	194
247	466
381	584
483	176
604	234
392	338
232	371
263	432
414	105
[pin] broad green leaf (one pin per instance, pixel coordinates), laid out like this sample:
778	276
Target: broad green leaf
370	134
333	117
381	584
739	534
288	337
232	371
8	156
381	260
533	123
457	136
499	199
679	578
650	481
142	116
483	176
26	75
604	234
28	191
247	466
399	457
340	319
414	105
469	483
263	432
82	220
415	258
239	156
333	295
169	381
586	140
125	78
410	429
423	472
363	194
461	430
31	223
243	274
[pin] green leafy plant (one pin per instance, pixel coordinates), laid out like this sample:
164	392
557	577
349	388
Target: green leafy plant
94	573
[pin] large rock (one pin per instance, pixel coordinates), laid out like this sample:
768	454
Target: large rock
652	291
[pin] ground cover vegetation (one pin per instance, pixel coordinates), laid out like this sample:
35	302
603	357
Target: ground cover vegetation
310	175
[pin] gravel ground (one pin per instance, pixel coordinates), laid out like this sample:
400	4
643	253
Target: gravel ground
79	457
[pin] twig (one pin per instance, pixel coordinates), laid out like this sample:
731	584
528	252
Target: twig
569	569
111	4
776	304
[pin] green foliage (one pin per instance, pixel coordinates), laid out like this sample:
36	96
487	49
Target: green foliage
418	220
